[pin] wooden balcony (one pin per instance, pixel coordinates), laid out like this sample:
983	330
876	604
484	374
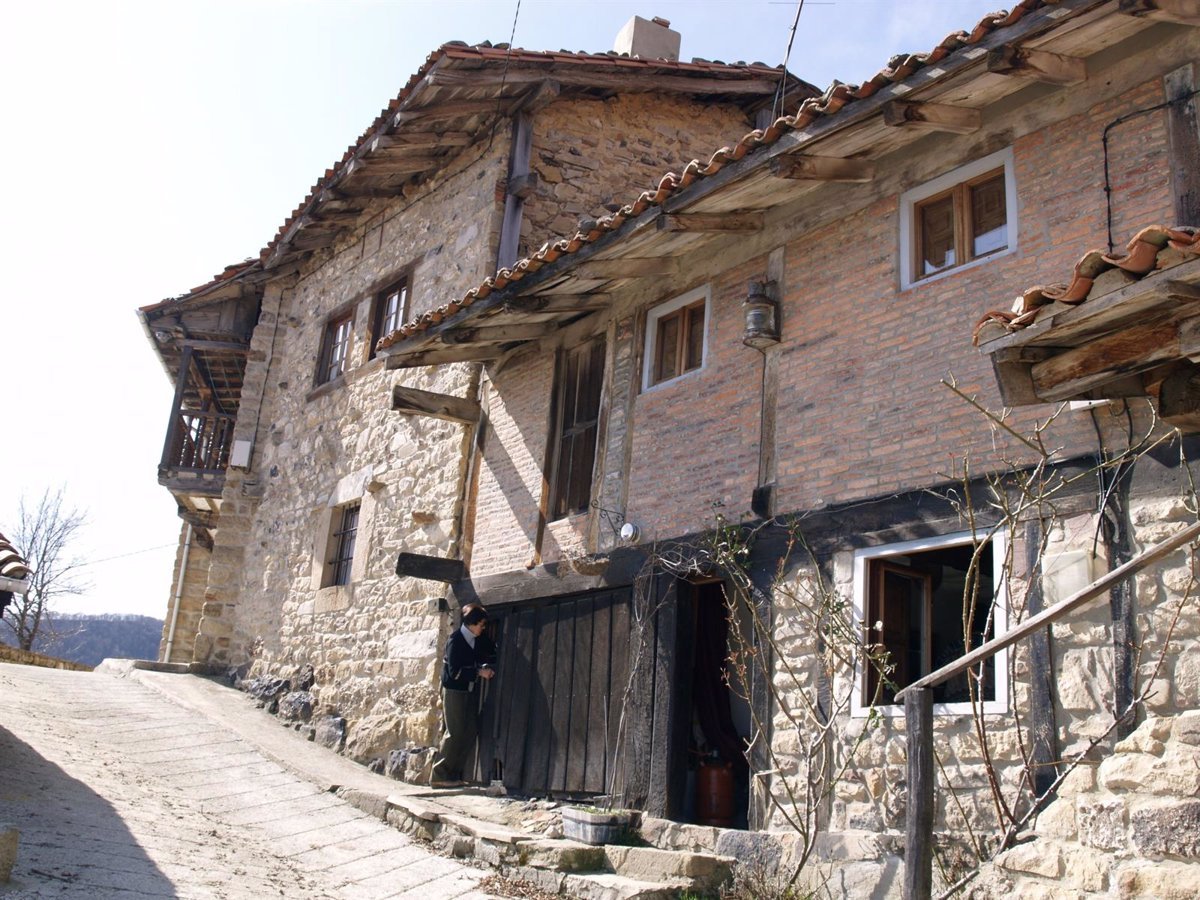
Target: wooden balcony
196	452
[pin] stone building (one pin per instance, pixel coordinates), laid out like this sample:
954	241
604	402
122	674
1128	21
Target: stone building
760	388
303	465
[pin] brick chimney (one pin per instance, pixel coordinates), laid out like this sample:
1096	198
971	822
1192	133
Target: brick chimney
648	39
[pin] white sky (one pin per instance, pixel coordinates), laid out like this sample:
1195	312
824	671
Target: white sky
146	145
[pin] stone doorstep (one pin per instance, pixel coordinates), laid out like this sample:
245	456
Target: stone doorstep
607	886
703	870
419	806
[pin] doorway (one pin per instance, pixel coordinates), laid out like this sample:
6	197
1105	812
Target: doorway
716	788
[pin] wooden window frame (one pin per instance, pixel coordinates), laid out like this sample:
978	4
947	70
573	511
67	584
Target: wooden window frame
868	565
382	324
561	503
679	307
332	365
956	184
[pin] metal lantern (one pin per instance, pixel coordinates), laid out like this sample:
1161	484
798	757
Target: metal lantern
762	319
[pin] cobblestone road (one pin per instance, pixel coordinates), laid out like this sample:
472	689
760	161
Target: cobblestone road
120	793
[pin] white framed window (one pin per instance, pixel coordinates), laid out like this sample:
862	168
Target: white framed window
676	338
959	220
914	600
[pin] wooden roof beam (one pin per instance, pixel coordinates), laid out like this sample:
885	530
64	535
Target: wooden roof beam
497	334
722	222
641	267
554	303
431	356
932	117
622	81
1181	12
822	168
1039	65
449	110
408	140
412	401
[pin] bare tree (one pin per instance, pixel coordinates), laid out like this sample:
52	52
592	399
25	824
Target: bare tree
44	535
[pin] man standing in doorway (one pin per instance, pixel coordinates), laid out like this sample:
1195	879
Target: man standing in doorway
469	659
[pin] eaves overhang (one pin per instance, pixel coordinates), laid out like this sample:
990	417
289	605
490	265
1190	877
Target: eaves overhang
834	138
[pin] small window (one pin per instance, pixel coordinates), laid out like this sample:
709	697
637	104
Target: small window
924	604
961	218
391	308
676	338
335	348
341	545
578	387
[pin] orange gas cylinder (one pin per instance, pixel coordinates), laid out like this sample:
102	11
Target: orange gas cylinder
714	794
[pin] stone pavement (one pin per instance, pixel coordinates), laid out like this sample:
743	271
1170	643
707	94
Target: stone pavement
160	785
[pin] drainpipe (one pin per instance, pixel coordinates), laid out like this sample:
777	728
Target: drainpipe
187	546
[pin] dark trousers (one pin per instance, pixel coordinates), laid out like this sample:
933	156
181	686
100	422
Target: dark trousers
460	719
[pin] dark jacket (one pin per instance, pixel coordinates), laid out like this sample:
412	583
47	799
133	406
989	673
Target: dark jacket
461	662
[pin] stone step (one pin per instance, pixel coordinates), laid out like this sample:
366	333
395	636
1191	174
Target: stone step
599	885
702	871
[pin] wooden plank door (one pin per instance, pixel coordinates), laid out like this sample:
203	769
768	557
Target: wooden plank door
550	726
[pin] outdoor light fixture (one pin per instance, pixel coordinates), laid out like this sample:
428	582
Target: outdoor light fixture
762	316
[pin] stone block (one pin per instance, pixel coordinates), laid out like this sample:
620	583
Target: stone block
1158	881
1101	823
1175	773
9	839
1058	820
330	732
1186	728
1086	869
1169	829
1039	858
296	706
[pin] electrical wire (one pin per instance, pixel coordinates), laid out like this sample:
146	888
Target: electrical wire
781	92
504	73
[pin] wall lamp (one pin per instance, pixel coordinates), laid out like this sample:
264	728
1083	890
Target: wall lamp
762	316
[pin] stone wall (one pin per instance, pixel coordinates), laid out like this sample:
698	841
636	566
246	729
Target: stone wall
374	644
1157	768
1126	827
591	154
190	601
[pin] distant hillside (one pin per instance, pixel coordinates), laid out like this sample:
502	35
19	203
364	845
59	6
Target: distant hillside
90	639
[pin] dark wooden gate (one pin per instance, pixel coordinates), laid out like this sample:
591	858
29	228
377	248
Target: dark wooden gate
550	724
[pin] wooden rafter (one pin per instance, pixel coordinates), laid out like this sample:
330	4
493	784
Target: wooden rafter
437	406
1181	12
822	168
1039	65
932	117
721	222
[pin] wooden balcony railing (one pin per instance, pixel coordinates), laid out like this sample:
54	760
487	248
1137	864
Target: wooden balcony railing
918	710
198	441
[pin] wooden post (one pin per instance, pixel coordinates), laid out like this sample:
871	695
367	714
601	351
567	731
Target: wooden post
1042	727
1184	134
918	824
175	424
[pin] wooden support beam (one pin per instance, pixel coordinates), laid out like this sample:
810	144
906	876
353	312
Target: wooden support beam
1183	131
411	140
1130	350
703	222
199	518
215	347
932	117
444	354
432	568
638	267
402	164
822	168
437	406
498	334
450	110
1039	65
553	303
1181	12
523	186
631	82
1179	398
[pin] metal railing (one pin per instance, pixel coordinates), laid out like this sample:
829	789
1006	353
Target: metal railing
918	710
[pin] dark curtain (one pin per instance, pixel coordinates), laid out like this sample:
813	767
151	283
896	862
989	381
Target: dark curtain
710	694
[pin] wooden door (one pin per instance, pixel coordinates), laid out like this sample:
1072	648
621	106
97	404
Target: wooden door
550	720
900	603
